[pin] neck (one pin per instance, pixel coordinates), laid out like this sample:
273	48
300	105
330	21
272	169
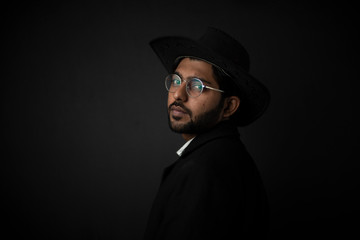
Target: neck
187	137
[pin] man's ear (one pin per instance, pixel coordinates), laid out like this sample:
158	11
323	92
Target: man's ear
231	104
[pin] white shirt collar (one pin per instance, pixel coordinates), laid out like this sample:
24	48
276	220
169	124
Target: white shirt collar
181	150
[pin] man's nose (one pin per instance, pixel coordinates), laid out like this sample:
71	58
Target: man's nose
180	93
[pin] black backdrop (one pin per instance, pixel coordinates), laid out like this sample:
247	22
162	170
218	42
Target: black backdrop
85	135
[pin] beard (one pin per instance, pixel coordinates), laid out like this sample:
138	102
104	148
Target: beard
196	124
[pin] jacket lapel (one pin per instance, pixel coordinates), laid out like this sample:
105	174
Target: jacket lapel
167	171
223	129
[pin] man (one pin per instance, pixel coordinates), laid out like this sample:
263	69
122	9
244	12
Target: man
213	191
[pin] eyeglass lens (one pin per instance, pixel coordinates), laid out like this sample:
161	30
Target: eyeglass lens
194	87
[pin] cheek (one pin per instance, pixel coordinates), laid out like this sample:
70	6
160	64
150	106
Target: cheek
206	105
200	107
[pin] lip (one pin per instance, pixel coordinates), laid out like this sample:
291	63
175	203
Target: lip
177	112
177	109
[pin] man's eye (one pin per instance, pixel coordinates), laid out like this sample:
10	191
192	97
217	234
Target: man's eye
176	82
196	86
199	87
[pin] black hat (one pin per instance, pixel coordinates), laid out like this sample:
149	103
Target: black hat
224	52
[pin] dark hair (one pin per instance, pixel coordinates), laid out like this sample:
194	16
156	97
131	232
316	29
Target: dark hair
229	87
225	83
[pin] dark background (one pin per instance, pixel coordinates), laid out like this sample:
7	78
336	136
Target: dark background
84	128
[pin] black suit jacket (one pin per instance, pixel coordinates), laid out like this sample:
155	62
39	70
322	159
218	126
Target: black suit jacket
213	191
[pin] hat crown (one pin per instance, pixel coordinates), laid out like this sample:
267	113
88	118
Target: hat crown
227	47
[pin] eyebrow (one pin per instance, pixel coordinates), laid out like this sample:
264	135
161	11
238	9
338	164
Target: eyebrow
203	80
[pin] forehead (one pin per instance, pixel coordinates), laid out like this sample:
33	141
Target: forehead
196	68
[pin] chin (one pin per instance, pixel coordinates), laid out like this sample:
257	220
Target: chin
180	127
177	127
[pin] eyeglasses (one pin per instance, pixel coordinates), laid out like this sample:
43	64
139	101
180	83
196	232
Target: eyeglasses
194	86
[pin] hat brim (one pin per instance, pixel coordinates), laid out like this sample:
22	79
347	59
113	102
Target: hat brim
254	96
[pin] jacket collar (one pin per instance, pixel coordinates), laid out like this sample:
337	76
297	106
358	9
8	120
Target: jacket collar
222	129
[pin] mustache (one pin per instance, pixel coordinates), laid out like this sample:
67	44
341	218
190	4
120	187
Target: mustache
180	104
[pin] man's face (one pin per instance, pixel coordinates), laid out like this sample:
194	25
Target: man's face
192	115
